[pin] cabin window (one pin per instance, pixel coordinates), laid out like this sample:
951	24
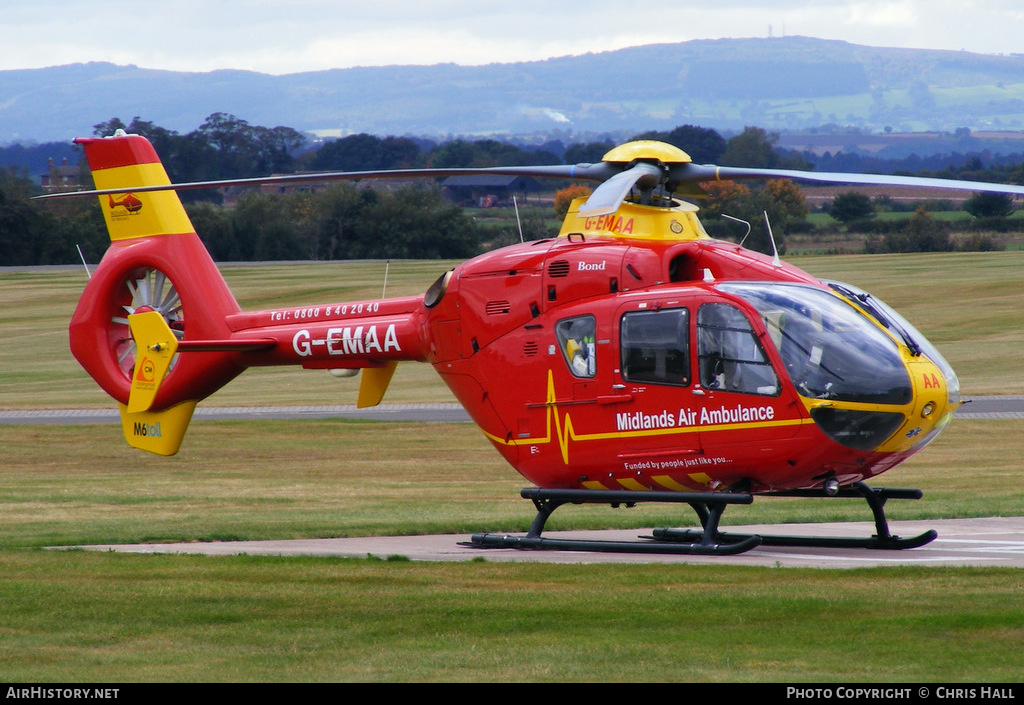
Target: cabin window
655	346
729	355
576	341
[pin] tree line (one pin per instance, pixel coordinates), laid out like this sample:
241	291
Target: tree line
350	221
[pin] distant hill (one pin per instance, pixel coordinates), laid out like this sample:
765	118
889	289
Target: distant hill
783	83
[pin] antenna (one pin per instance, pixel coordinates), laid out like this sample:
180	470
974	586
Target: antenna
739	220
384	292
84	263
516	206
776	262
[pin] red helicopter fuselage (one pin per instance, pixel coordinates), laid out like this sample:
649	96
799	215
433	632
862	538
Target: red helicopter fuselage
631	352
625	364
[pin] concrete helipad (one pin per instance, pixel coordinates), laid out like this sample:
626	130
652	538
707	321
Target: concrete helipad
978	542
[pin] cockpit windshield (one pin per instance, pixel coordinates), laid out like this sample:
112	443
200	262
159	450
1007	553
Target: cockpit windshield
899	326
830	349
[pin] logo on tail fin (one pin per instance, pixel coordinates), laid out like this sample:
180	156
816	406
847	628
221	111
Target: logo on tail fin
146	371
147	430
129	202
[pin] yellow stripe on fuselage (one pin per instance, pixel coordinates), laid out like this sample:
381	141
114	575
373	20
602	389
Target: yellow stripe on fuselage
564	433
131	215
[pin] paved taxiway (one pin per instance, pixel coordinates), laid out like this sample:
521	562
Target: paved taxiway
987	541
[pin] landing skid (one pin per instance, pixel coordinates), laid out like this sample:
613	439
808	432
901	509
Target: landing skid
709	507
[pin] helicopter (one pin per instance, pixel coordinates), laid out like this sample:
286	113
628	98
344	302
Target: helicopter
631	358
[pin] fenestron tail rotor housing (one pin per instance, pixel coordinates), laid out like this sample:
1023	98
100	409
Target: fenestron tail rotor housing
145	289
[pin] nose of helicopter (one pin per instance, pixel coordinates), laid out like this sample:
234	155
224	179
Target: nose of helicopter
894	429
935	400
868	379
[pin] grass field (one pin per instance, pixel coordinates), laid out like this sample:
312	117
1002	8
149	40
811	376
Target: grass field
77	617
86	617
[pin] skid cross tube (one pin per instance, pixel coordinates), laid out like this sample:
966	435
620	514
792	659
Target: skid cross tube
709	506
876	498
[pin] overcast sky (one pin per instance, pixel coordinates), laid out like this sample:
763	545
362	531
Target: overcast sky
282	36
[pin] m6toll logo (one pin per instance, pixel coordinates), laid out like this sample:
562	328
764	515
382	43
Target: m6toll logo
146	430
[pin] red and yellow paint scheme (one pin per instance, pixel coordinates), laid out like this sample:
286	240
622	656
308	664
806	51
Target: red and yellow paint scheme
603	328
630	352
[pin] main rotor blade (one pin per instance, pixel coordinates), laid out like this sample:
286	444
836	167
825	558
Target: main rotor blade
607	197
585	172
708	172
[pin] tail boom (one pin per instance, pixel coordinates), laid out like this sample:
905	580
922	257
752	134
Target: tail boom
337	336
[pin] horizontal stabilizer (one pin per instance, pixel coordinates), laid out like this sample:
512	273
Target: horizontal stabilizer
373	383
226	345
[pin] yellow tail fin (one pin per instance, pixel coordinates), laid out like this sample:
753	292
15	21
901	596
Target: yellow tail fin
158	432
155	344
128	161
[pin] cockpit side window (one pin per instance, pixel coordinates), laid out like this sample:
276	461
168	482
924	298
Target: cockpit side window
655	346
729	355
576	341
